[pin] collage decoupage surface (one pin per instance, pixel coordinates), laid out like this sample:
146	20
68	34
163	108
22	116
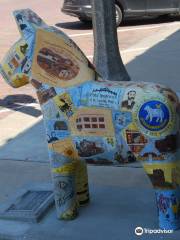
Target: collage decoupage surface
104	122
96	120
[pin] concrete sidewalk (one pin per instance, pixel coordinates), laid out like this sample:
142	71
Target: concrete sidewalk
109	216
118	205
122	198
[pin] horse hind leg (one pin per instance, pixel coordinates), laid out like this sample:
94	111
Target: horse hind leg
160	155
164	174
82	188
167	193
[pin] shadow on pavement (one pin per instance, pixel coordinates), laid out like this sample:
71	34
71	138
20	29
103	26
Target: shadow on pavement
19	103
75	25
159	64
29	145
78	25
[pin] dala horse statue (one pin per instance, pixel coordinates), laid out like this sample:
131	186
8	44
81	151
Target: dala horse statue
94	120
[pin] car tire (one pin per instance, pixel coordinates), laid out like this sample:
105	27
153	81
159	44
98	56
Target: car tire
119	15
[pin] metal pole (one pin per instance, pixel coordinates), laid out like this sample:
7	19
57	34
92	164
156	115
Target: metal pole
107	58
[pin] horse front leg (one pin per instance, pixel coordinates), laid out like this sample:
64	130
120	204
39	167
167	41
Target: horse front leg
63	172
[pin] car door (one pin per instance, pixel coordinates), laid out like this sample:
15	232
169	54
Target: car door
162	6
135	7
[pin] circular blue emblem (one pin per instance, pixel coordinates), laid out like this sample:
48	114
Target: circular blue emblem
154	115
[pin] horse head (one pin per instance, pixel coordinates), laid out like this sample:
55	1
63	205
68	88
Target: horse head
60	59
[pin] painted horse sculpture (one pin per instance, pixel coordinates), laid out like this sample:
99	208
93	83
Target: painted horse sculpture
88	119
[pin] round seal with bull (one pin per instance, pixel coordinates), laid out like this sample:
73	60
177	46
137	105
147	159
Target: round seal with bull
154	117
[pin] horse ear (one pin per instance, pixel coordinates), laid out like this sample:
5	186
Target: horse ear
28	21
11	65
45	40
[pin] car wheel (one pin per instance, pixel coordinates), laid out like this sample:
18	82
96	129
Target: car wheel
119	15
